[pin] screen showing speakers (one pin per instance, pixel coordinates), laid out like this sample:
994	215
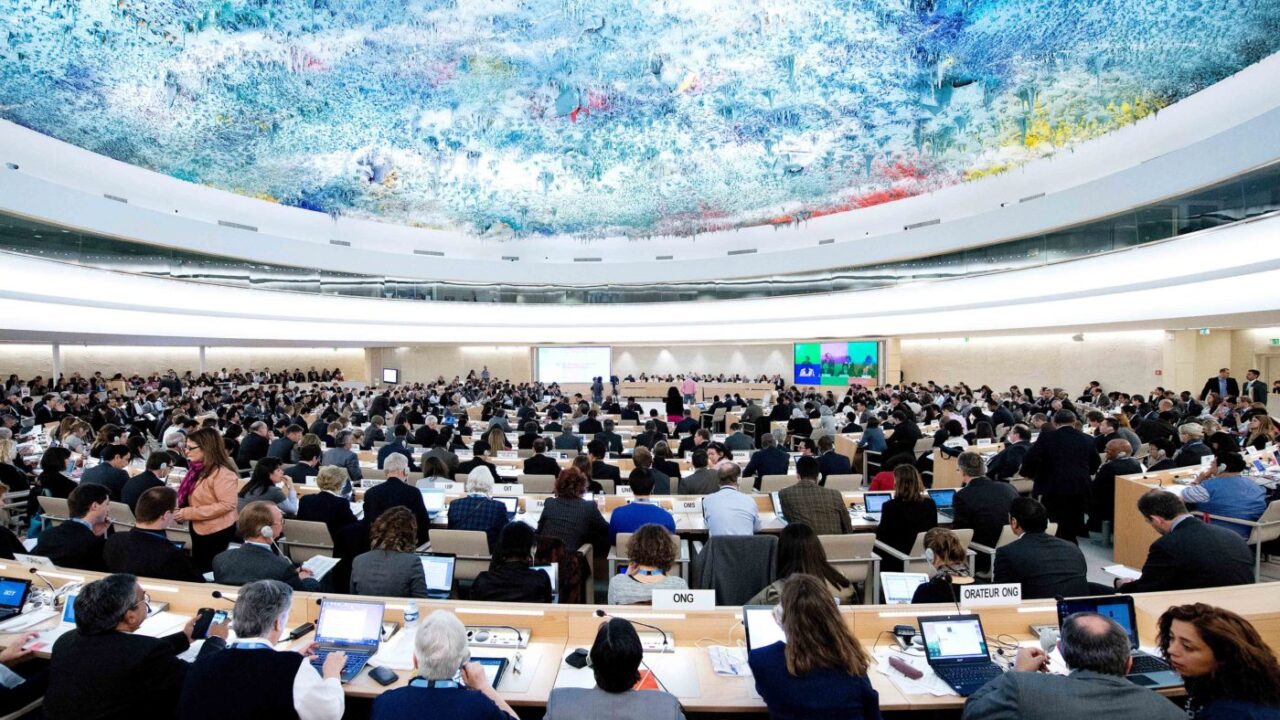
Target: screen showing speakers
391	376
573	364
836	363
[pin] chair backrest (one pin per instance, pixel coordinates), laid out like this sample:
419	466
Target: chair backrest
774	483
1270	522
463	543
121	516
538	484
373	474
746	483
460	477
608	485
736	566
1006	536
850	554
304	539
54	509
624	541
844	483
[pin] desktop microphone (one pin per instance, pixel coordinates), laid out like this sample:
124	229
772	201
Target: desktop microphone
665	638
516	630
217	595
36	571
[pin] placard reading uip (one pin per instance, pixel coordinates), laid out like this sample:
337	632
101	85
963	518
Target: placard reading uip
989	595
451	487
509	489
684	599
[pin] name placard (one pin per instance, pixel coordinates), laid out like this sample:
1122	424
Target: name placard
684	599
983	442
451	487
624	490
509	489
990	595
537	502
508	454
689	506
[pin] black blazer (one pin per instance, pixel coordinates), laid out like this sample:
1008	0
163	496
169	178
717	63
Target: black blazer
903	440
117	676
670	468
1195	555
1047	566
900	522
72	545
475	462
253	447
148	553
541	465
983	505
282	448
137	485
393	492
1102	498
113	479
833	463
937	590
1006	463
512	582
601	470
590	427
1061	462
327	508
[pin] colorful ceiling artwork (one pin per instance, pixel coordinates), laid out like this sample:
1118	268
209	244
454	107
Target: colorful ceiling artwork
594	118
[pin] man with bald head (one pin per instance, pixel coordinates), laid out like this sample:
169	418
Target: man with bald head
1096	650
1102	498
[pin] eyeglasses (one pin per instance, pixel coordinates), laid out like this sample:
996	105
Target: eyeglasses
192	447
146	600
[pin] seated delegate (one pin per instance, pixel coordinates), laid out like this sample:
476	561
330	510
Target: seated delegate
511	577
800	552
1230	673
390	568
651	553
615	659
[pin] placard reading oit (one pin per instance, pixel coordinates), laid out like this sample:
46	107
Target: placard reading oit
988	595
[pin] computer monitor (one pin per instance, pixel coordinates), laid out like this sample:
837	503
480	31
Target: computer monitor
390	376
943	498
899	587
777	503
512	504
433	499
69	610
761	626
1116	607
875	500
953	638
553	571
13	594
350	622
438	567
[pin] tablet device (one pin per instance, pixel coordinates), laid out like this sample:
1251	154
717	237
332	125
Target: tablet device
494	668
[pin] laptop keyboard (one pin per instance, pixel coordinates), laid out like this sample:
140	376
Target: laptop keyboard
974	675
1147	664
354	661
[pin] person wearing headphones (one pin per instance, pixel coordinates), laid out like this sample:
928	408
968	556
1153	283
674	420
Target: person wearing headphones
446	682
615	662
943	551
260	524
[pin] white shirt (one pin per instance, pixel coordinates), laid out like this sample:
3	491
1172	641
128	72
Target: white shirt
314	697
730	512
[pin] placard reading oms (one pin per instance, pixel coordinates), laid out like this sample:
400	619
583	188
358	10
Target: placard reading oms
573	364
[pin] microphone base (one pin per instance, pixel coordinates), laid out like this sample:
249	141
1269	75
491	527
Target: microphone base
652	641
491	636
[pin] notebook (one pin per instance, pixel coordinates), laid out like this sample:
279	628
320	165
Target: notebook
874	502
945	499
956	648
438	567
349	626
900	587
1147	669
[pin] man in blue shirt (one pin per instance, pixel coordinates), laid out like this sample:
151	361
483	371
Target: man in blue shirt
729	511
1221	490
629	518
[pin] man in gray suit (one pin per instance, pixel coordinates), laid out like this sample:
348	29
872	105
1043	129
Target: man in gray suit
1096	650
738	440
260	523
441	451
703	481
612	439
342	456
566	440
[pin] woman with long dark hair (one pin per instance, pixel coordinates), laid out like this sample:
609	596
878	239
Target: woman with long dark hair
207	496
800	551
1228	670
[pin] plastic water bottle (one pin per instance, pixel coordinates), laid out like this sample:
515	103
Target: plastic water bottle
411	613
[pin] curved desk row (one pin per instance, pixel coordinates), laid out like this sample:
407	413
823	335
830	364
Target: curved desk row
558	629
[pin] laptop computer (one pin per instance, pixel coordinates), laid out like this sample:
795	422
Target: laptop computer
956	649
1147	670
511	503
552	571
874	503
900	587
761	626
777	506
349	626
13	595
438	567
433	499
945	499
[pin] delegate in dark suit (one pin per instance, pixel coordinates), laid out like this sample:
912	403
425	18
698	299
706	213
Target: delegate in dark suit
1213	385
1061	463
384	496
833	463
149	554
72	545
1194	555
475	462
701	482
113	479
253	447
983	506
1102	497
612	440
395	446
1006	463
282	448
541	465
1254	391
601	470
1082	694
1046	566
769	461
253	561
333	511
117	676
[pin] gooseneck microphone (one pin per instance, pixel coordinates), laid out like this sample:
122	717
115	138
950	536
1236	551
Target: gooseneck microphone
666	640
217	595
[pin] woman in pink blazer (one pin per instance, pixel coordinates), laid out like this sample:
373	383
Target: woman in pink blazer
207	496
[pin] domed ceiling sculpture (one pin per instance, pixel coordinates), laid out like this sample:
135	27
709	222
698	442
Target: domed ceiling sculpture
506	118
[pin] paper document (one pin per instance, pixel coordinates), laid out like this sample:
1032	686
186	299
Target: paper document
162	624
320	565
928	684
26	620
730	661
1123	571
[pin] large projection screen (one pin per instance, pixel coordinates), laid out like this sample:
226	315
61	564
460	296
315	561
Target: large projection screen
837	363
573	364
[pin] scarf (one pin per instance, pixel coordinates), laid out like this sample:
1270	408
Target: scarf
189	482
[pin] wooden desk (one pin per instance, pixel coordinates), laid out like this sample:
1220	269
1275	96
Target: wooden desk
946	469
1133	536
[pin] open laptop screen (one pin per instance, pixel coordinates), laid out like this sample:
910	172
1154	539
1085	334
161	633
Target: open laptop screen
1116	607
433	499
438	567
511	503
954	638
349	622
944	499
875	501
13	593
761	626
899	588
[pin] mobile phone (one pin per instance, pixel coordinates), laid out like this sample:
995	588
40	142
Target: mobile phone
383	676
204	618
301	630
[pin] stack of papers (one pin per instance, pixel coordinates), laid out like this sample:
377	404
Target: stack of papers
396	653
320	565
730	661
1123	572
163	624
